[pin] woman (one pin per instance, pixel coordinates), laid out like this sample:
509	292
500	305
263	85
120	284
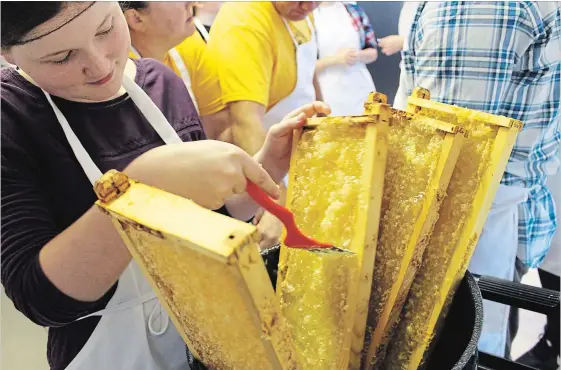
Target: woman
166	31
205	17
346	44
77	107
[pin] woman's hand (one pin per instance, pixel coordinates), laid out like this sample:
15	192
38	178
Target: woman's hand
391	44
275	153
208	172
346	57
275	158
368	55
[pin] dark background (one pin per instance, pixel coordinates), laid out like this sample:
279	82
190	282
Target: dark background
384	16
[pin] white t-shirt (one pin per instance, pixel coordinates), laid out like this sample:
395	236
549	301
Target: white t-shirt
406	18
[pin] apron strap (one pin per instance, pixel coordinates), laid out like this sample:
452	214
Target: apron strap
87	163
202	30
184	72
154	116
308	22
157	312
126	305
178	61
135	52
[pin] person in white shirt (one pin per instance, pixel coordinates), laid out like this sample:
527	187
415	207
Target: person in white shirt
393	44
346	44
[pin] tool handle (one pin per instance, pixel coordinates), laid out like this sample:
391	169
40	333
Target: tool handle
294	237
268	204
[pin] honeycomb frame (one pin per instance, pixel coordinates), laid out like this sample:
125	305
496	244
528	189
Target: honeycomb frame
366	227
148	216
321	332
507	130
452	143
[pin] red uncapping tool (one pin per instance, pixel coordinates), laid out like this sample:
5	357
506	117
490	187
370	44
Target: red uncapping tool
294	237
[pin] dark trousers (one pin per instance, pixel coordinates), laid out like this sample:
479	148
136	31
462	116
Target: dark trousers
551	330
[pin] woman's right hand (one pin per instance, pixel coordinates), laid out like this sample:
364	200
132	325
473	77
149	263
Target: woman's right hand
346	57
207	172
391	45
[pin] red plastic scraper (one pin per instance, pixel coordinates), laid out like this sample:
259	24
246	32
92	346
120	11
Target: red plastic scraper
294	237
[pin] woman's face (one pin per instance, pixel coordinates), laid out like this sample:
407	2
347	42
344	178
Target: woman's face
84	59
295	10
169	20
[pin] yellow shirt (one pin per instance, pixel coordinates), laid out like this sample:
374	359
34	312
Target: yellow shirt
254	52
204	76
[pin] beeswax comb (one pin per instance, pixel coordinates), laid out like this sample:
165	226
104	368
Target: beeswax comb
335	190
474	183
207	273
422	154
319	273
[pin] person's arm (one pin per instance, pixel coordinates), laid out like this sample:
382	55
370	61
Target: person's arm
242	52
324	63
52	278
217	126
248	131
51	272
367	56
317	88
85	273
391	45
369	52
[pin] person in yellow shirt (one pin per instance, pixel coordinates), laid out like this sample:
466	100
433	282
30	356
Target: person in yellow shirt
166	31
265	53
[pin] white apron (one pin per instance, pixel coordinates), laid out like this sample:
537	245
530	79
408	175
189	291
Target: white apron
345	88
304	91
495	255
183	72
134	332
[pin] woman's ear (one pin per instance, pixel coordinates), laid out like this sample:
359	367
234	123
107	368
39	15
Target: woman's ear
5	53
135	20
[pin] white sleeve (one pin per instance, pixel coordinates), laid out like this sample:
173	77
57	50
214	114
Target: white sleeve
406	18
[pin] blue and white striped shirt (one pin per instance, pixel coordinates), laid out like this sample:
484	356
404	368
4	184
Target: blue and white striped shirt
502	58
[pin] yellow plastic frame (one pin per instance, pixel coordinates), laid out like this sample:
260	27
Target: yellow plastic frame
507	131
452	143
143	212
365	239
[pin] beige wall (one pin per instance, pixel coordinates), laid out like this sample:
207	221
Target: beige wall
23	344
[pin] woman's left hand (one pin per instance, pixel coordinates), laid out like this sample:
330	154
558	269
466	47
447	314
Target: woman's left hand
274	156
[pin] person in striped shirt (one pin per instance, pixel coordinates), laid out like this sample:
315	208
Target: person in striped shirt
502	58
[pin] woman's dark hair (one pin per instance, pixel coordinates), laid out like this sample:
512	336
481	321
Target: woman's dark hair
18	18
137	5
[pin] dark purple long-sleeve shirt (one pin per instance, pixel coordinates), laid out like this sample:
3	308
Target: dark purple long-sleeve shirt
44	189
